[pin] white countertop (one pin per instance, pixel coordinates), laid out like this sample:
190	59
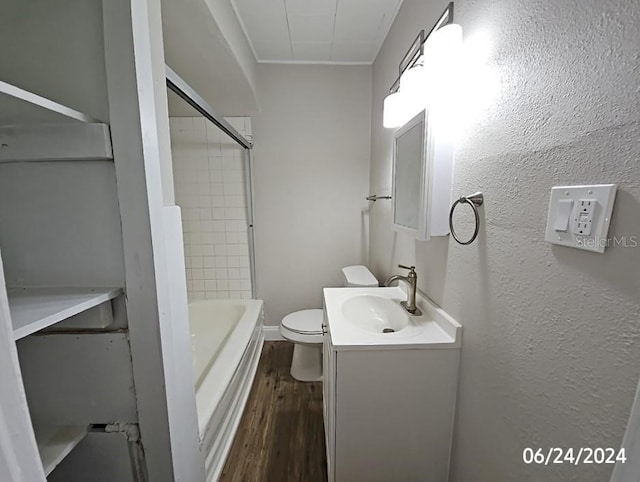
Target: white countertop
434	329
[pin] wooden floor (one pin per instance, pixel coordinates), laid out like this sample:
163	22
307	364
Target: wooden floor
281	434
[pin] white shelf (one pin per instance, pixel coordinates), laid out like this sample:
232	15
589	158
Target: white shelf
55	443
55	142
33	309
19	106
34	128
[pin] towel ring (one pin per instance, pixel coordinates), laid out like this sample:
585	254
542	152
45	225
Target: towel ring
475	200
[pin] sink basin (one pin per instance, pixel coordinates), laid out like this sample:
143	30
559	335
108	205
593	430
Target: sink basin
375	314
356	319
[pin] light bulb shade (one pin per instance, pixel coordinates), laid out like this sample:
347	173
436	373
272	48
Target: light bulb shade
445	38
393	111
412	80
443	47
399	108
442	53
413	85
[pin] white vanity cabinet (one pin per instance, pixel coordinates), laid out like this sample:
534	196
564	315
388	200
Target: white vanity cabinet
388	410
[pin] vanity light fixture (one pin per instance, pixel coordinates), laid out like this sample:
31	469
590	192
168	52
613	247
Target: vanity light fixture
408	94
395	105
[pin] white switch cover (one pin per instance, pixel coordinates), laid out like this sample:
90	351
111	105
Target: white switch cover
579	216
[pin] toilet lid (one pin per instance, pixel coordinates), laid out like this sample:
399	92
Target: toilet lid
359	276
304	321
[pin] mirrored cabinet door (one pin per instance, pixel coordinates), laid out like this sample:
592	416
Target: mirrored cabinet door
422	177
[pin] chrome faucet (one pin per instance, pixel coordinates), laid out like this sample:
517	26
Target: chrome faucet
412	280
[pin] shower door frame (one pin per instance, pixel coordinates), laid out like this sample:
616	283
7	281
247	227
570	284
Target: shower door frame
177	85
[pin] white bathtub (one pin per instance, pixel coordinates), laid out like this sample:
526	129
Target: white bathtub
226	342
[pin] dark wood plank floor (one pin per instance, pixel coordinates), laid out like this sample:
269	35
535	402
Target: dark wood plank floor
281	434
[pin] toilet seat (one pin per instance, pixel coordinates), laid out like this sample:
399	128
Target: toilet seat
304	326
305	322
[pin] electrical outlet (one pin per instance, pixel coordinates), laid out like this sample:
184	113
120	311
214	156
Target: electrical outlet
583	216
579	216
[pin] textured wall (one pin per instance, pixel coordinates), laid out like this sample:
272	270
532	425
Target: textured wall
311	163
550	354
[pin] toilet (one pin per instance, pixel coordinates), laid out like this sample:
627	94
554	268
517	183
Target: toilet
304	329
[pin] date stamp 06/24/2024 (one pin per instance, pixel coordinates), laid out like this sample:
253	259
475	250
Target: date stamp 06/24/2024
573	456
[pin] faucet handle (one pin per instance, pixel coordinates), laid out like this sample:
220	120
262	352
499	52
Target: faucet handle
410	268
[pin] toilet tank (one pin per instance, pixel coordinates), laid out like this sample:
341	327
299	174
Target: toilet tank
359	276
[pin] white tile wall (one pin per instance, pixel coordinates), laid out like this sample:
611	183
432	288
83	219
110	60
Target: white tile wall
208	170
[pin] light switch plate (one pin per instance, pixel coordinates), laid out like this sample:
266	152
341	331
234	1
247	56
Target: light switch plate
589	211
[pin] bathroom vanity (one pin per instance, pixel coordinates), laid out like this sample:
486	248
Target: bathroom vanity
390	382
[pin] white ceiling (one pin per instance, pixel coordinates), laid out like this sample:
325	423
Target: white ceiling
316	31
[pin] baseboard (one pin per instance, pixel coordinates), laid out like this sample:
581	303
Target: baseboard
272	333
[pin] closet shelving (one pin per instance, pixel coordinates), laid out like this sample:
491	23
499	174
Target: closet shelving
83	164
55	443
34	128
33	309
19	106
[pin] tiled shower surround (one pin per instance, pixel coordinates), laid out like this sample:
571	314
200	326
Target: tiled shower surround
208	169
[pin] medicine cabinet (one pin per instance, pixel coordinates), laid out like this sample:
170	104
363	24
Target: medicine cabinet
422	177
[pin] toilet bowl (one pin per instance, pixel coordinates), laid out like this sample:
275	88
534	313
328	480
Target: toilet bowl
304	329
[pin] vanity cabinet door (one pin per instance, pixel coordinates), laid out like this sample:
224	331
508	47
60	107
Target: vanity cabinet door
328	399
325	383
